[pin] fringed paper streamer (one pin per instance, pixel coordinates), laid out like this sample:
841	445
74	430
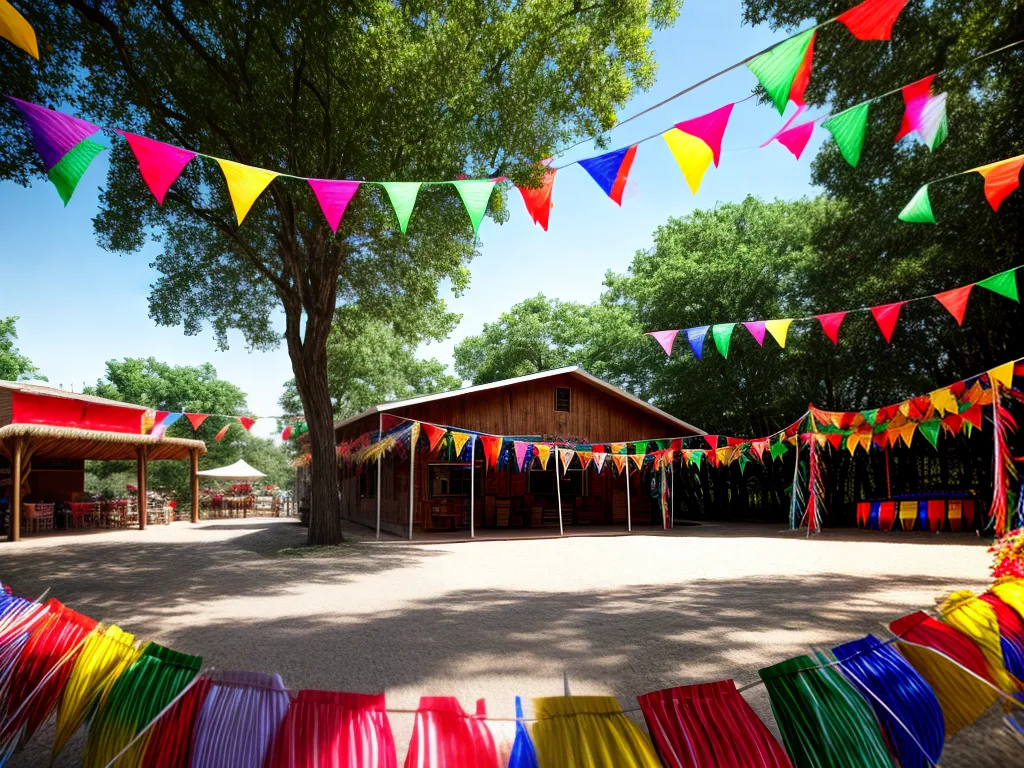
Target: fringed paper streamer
1005	471
169	741
823	720
589	732
386	444
709	725
906	707
136	697
445	735
329	729
239	720
1011	634
18	617
104	657
951	664
974	618
1011	591
34	691
523	754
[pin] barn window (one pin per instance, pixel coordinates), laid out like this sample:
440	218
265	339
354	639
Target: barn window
562	399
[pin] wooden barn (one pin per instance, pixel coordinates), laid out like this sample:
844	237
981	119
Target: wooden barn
565	405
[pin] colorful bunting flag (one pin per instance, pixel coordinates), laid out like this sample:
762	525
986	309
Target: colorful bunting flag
872	19
711	440
886	316
475	194
666	339
520	448
955	301
618	448
66	174
1003	283
286	433
692	155
245	184
757	329
778	329
538	200
585	458
696	338
930	114
334	197
611	170
916	90
246	422
795	139
566	454
709	128
15	28
1003	374
1001	179
638	460
599	459
402	195
722	333
223	431
53	133
459	440
492	448
784	70
847	128
434	435
944	401
930	430
196	419
919	209
620	462
159	164
830	323
168	420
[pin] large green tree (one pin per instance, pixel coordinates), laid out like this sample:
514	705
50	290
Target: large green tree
13	364
398	91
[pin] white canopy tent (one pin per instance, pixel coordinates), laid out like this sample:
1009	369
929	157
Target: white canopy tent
240	470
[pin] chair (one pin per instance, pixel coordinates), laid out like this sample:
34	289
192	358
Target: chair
43	516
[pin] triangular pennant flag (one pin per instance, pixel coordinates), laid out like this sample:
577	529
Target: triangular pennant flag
638	460
955	301
492	448
803	76
919	209
778	329
911	93
611	170
973	416
696	457
245	184
943	401
159	164
246	422
475	194
15	28
709	128
848	128
1003	283
620	462
1001	179
795	139
907	432
932	125
334	197
666	339
886	316
618	448
543	453
223	431
693	156
538	200
599	459
520	448
197	419
930	430
872	19
53	133
758	447
585	458
402	195
711	440
459	440
286	433
566	454
756	328
66	174
778	449
640	447
696	338
414	436
830	324
722	334
1002	374
434	435
778	68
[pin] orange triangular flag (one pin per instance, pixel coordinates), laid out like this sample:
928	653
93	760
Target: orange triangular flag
620	461
566	454
1001	179
907	432
543	453
196	419
637	459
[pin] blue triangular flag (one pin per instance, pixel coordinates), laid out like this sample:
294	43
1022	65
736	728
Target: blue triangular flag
696	338
611	170
523	754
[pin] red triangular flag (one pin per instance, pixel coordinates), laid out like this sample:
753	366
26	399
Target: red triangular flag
835	439
709	128
920	89
758	447
389	422
955	301
872	19
160	164
973	415
223	431
492	449
434	434
803	76
197	419
334	197
538	201
287	432
1001	179
711	440
246	422
886	316
830	323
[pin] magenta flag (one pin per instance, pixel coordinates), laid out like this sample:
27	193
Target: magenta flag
757	329
160	164
666	338
54	133
795	139
334	197
709	128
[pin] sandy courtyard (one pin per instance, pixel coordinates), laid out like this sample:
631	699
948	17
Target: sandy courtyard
621	615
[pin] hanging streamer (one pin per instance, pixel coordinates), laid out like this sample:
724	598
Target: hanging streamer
589	732
445	735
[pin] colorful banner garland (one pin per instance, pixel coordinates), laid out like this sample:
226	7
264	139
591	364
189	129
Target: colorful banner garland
885	315
16	29
1001	179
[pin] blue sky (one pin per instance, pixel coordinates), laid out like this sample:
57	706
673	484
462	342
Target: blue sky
80	305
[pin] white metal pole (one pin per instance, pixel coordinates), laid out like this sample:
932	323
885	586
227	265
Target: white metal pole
629	511
412	479
558	490
672	496
472	486
380	436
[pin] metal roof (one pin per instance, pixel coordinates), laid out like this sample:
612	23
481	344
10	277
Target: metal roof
33	388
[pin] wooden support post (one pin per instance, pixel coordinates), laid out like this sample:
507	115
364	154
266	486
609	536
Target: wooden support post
629	510
472	486
141	472
412	481
15	532
380	436
193	456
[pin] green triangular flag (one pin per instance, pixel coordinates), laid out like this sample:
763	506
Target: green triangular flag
743	463
776	69
778	448
697	457
640	447
870	416
722	334
930	429
475	194
919	210
66	174
403	197
662	444
1005	284
941	133
848	128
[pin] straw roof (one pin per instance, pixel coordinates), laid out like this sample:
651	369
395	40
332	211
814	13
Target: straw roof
70	443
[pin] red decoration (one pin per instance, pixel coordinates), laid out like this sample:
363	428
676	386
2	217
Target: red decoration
872	19
800	82
711	440
973	416
623	175
434	434
795	139
830	324
920	89
492	449
835	439
1001	179
886	316
197	419
955	301
246	422
287	433
170	740
538	201
223	431
389	422
32	408
953	422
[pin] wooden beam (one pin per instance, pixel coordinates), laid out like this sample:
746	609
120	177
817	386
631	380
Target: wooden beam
193	456
141	472
15	532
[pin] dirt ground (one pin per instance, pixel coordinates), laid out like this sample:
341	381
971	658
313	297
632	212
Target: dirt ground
620	615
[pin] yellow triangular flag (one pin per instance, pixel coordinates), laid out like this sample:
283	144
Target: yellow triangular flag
566	455
459	440
692	154
620	462
585	457
907	432
245	184
852	442
1003	374
943	401
14	27
543	453
638	459
778	329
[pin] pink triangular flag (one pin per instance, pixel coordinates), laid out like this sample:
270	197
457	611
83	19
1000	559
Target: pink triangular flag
709	128
795	139
521	449
886	316
160	164
334	197
911	92
666	339
757	329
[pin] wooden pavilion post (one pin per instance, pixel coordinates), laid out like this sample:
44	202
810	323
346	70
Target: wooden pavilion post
15	533
193	456
141	480
412	478
629	509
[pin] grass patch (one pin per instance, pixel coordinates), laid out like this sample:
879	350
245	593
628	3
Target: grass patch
319	551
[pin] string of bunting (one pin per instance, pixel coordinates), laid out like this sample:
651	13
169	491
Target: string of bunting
868	702
155	423
1001	179
886	317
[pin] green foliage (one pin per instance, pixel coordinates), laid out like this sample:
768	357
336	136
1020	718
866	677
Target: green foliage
13	364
